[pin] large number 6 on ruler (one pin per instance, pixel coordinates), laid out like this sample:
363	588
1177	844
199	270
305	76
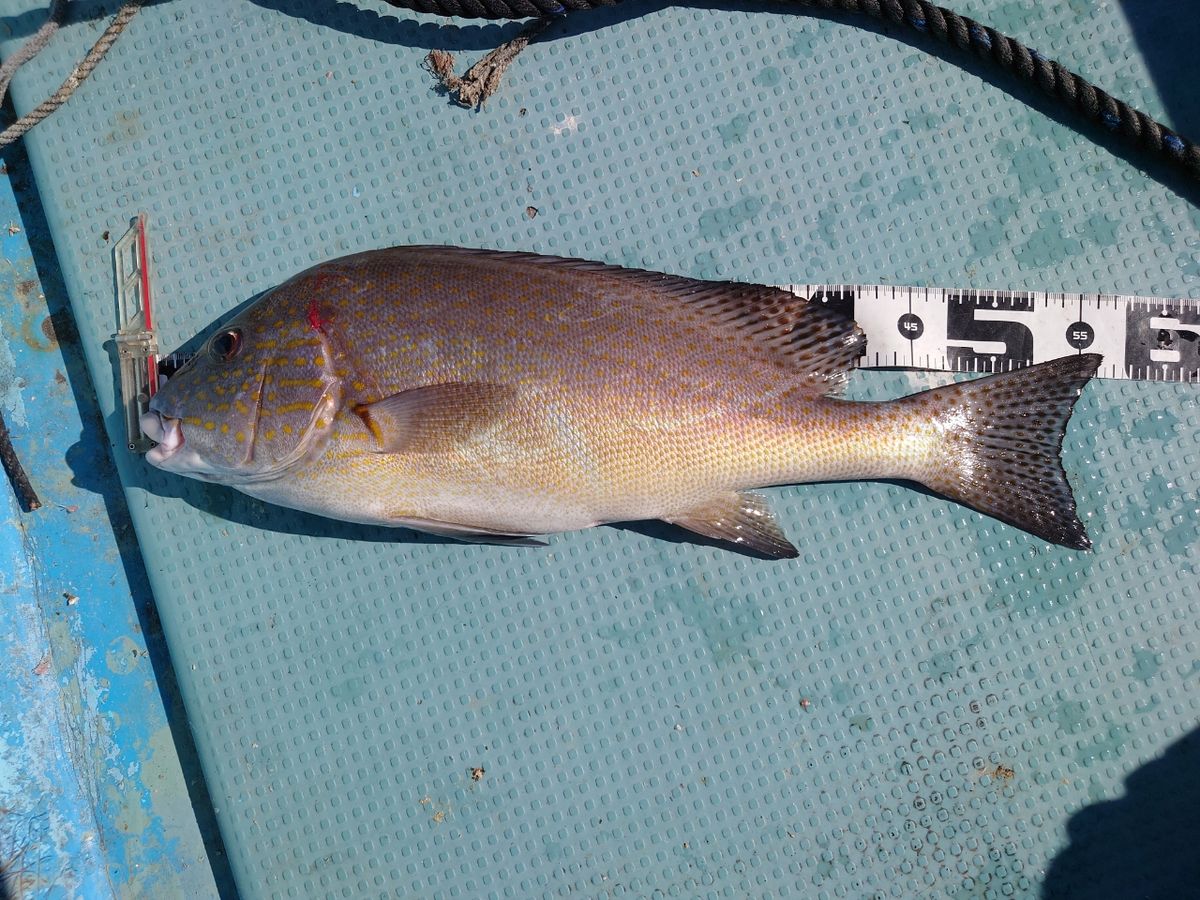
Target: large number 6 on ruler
985	332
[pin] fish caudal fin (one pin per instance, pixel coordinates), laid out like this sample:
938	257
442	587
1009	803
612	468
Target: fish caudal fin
1002	445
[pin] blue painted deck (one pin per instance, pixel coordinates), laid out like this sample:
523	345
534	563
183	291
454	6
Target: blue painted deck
93	800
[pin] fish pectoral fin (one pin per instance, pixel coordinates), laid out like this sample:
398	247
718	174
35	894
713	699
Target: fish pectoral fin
435	417
470	533
742	518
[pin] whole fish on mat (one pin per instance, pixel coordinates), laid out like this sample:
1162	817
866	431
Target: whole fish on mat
496	396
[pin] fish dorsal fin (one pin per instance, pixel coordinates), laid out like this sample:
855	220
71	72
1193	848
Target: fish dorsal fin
433	418
804	337
741	518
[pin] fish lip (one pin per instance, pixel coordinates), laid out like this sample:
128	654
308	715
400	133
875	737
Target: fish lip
166	431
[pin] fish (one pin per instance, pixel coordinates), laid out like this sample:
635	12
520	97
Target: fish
502	396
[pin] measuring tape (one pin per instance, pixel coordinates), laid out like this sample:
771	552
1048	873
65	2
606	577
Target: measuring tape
1140	338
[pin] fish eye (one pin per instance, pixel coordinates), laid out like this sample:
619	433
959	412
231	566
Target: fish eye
226	345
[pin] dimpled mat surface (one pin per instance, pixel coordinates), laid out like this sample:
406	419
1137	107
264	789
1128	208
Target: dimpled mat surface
926	702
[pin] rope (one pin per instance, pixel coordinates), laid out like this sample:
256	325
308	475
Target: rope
1070	89
78	75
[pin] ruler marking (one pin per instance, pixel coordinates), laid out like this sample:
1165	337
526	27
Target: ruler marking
1125	329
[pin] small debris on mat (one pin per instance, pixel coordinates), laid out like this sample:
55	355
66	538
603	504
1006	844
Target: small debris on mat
531	211
441	64
71	599
477	773
14	228
43	665
439	815
566	126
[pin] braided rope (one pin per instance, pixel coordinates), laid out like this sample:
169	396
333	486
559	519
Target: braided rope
78	75
1070	89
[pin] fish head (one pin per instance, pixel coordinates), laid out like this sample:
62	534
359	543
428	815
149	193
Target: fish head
259	397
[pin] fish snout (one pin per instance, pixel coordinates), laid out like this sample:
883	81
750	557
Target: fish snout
167	431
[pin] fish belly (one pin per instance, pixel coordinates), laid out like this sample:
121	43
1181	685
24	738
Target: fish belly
563	473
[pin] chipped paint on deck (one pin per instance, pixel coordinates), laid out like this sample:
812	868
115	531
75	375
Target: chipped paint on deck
92	799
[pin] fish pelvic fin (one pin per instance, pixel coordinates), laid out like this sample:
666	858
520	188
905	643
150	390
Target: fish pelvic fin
740	518
1000	452
470	534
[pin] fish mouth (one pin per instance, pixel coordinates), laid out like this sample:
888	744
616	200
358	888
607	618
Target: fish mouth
167	431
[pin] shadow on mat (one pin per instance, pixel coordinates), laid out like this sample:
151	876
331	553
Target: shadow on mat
1142	845
1168	35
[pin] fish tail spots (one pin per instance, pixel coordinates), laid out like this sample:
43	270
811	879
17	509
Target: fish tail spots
999	446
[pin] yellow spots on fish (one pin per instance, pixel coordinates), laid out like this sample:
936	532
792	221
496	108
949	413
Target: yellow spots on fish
268	344
301	382
359	386
240	437
210	426
300	361
194	421
319	362
300	406
224	428
322	422
241	407
208	407
287	429
269	434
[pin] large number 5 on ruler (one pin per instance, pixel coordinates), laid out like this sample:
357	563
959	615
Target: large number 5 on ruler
988	332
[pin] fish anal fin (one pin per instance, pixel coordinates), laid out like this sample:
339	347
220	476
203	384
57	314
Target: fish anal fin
433	418
469	533
744	519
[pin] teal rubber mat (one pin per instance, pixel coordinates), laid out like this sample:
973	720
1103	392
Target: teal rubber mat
925	703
